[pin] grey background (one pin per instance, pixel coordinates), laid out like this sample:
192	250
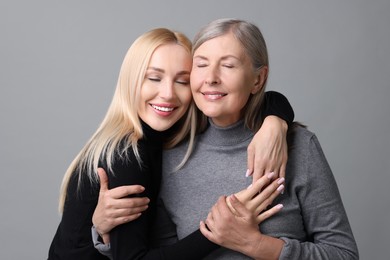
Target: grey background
59	62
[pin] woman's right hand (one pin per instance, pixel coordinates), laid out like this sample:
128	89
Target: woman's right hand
114	208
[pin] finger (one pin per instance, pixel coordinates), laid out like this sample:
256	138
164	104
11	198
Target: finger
124	191
218	209
205	231
209	222
103	179
126	219
250	161
267	196
277	172
128	203
258	172
124	213
239	209
260	184
282	172
269	213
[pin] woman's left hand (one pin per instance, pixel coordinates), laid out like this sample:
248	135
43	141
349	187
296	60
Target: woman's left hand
268	150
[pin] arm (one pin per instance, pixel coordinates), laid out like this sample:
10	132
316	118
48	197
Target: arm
73	237
136	233
323	214
268	150
116	203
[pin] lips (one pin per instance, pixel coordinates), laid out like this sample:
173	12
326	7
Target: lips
213	95
163	108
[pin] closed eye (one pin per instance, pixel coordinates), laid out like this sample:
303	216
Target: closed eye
229	66
183	82
154	79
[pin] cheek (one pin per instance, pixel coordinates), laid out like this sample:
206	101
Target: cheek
185	96
196	78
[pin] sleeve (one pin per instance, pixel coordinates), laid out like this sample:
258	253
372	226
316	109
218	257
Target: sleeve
73	237
104	249
277	104
132	240
329	235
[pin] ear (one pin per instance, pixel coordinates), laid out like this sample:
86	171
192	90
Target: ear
261	78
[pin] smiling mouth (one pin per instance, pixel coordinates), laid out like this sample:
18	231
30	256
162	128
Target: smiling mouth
163	109
213	96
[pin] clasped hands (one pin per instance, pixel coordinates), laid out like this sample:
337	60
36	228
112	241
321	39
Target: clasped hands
233	221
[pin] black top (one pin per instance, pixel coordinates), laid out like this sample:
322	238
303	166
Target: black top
132	240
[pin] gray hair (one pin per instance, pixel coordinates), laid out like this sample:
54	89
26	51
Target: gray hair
248	34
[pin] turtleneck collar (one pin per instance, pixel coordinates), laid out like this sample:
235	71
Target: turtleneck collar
227	136
152	135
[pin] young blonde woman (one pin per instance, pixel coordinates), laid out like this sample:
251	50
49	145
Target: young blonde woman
152	106
229	73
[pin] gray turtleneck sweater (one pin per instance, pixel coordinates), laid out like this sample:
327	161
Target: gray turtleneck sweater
313	222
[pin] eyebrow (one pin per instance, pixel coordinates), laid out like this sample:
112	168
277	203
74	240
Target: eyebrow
156	69
183	72
223	57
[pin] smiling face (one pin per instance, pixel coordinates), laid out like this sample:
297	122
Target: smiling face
165	92
222	79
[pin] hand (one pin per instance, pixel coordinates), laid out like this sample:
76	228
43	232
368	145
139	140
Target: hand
227	229
233	221
257	197
114	208
268	150
239	232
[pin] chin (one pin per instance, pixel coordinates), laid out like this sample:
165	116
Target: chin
159	126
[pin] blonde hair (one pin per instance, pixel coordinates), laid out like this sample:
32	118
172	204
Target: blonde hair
253	43
121	124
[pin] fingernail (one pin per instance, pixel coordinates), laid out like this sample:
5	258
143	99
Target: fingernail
249	186
281	180
279	206
280	188
270	175
248	173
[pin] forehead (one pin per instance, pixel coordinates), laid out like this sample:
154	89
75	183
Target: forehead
226	44
171	55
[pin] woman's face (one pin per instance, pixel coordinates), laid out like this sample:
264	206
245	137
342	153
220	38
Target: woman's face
222	79
165	92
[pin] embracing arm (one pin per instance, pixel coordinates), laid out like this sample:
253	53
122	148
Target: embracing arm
268	150
277	104
131	240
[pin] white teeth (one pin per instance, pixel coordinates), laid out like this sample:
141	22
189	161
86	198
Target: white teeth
216	95
164	109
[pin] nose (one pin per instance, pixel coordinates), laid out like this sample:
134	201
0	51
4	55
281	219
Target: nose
167	90
212	77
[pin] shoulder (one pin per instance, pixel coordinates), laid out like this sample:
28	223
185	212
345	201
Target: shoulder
303	144
299	135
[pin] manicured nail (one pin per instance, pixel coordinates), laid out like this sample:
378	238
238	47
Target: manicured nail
280	188
270	175
279	206
281	180
249	186
248	173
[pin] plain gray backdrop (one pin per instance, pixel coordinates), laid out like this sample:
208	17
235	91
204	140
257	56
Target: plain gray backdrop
59	62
